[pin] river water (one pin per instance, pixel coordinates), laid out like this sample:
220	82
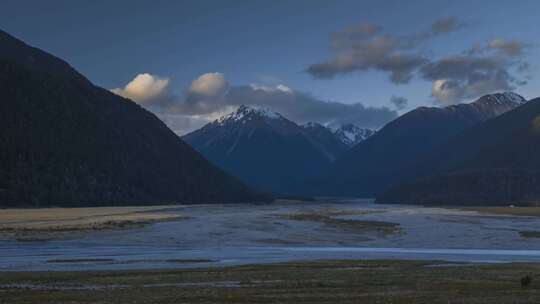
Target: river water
221	235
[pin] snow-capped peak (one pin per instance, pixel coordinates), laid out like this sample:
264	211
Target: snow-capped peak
504	98
245	111
350	134
513	97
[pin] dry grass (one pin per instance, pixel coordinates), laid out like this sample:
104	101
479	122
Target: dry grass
517	211
43	223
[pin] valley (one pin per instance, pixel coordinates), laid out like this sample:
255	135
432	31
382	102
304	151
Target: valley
217	152
320	252
284	231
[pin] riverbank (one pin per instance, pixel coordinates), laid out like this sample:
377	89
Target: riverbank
240	234
514	211
58	223
336	281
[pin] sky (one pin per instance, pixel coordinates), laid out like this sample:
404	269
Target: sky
332	62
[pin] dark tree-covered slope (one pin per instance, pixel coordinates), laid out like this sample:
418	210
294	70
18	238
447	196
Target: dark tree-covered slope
66	142
378	162
495	163
325	140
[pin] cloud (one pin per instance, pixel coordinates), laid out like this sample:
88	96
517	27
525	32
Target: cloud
144	88
458	78
365	47
383	53
502	47
302	107
399	102
510	47
297	106
447	90
210	96
524	67
452	91
204	95
484	68
209	85
446	25
480	70
278	88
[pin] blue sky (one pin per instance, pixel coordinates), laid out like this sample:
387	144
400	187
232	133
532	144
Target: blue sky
263	42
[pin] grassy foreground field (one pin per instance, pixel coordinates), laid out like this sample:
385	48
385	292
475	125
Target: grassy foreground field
305	282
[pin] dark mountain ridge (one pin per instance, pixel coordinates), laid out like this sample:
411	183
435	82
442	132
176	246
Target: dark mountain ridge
261	147
66	142
495	163
268	151
327	142
375	164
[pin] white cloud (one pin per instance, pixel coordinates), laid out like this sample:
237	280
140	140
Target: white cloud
297	106
446	90
270	89
144	88
209	85
210	96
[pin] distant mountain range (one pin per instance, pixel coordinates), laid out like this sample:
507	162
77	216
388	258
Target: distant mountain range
494	163
66	142
268	151
373	165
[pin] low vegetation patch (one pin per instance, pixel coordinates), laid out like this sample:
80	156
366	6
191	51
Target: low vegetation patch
530	234
346	224
333	281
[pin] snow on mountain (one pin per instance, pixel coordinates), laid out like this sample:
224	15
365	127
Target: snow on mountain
513	97
350	134
245	112
264	149
484	108
498	99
